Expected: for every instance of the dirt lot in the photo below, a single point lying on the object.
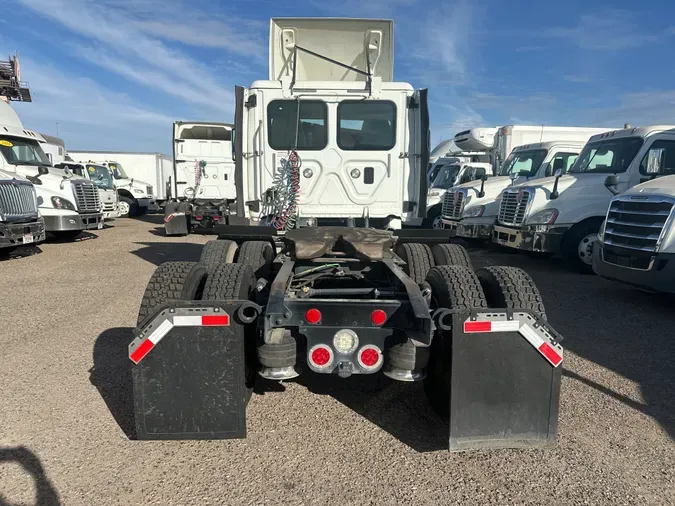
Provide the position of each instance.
(67, 315)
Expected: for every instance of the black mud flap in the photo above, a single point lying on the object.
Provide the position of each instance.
(188, 372)
(175, 220)
(505, 381)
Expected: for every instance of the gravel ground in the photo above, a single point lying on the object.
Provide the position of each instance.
(65, 404)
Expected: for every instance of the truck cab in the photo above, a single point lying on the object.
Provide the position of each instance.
(564, 213)
(102, 178)
(135, 196)
(449, 176)
(471, 208)
(330, 138)
(68, 204)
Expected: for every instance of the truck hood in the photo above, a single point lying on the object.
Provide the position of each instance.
(576, 181)
(127, 182)
(661, 185)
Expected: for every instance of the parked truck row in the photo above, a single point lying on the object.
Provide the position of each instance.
(596, 197)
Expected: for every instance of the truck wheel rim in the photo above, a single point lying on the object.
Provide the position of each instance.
(585, 249)
(124, 208)
(437, 223)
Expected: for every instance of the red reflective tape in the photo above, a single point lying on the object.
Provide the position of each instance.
(477, 326)
(142, 350)
(550, 354)
(216, 320)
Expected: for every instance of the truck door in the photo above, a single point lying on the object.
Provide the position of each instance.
(419, 151)
(667, 161)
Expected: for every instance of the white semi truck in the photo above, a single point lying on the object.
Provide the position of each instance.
(136, 197)
(563, 214)
(636, 244)
(67, 203)
(203, 178)
(329, 138)
(102, 177)
(470, 209)
(20, 220)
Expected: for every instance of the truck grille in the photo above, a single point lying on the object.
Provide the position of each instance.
(17, 201)
(149, 190)
(636, 224)
(514, 206)
(453, 202)
(86, 195)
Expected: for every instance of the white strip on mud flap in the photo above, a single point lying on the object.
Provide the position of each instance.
(149, 342)
(474, 327)
(187, 321)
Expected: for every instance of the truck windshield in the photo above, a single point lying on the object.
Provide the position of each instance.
(101, 176)
(117, 171)
(523, 161)
(19, 151)
(608, 156)
(446, 177)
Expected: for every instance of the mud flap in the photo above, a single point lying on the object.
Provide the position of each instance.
(176, 218)
(505, 381)
(189, 372)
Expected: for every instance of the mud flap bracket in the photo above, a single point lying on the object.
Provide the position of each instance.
(189, 377)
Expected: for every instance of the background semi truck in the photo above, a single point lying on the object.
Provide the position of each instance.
(636, 244)
(563, 214)
(203, 179)
(102, 177)
(20, 220)
(67, 203)
(471, 209)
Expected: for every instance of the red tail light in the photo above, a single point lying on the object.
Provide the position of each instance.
(198, 217)
(313, 316)
(370, 357)
(378, 317)
(321, 356)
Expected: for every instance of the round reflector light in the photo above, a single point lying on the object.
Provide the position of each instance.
(345, 341)
(370, 357)
(378, 317)
(313, 316)
(321, 356)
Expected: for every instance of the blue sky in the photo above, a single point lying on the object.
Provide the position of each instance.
(115, 74)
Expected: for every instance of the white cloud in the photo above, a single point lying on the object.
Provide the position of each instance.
(653, 107)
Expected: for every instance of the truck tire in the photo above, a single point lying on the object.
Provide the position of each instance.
(451, 254)
(418, 258)
(510, 288)
(172, 281)
(257, 254)
(236, 282)
(452, 287)
(128, 207)
(577, 245)
(218, 252)
(433, 219)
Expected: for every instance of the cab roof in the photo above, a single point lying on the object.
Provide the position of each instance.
(633, 132)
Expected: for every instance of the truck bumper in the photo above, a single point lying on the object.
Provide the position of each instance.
(109, 215)
(150, 203)
(63, 223)
(450, 224)
(20, 234)
(651, 272)
(474, 230)
(537, 238)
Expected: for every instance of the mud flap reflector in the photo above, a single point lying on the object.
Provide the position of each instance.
(505, 382)
(189, 376)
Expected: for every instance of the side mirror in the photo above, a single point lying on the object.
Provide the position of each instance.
(42, 170)
(558, 164)
(484, 177)
(655, 161)
(513, 176)
(554, 193)
(611, 182)
(558, 173)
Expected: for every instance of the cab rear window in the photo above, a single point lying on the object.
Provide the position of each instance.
(366, 125)
(285, 124)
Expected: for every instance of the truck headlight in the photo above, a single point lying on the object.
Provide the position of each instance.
(138, 190)
(546, 217)
(434, 193)
(61, 203)
(474, 212)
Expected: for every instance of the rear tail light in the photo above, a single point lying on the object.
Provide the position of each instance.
(321, 356)
(370, 357)
(378, 317)
(313, 316)
(199, 217)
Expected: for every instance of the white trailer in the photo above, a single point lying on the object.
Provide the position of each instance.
(329, 138)
(54, 148)
(476, 139)
(563, 214)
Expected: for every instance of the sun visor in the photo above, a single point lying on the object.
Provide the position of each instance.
(352, 42)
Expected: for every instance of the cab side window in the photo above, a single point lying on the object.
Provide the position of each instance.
(668, 166)
(562, 160)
